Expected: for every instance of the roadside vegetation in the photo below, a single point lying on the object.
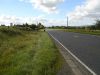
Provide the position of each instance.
(83, 31)
(26, 51)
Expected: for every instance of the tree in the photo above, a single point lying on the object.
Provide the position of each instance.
(40, 26)
(97, 25)
(33, 26)
(26, 25)
(2, 25)
(92, 27)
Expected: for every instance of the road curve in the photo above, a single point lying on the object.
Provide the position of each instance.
(85, 47)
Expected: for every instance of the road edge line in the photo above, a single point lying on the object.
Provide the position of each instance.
(90, 70)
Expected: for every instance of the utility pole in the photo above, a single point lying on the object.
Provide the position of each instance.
(67, 21)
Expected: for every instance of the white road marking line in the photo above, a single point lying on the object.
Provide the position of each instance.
(75, 36)
(92, 72)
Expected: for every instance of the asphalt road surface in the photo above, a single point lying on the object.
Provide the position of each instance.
(85, 47)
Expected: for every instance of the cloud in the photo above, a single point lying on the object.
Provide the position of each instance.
(7, 19)
(90, 9)
(56, 22)
(48, 6)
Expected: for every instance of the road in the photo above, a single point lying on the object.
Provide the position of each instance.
(83, 46)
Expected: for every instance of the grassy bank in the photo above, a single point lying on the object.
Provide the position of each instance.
(92, 32)
(47, 60)
(83, 31)
(27, 53)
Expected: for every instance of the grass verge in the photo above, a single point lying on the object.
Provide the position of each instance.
(28, 53)
(92, 32)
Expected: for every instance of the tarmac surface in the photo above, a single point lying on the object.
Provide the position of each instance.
(85, 47)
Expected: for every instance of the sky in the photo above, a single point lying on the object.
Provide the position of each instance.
(50, 12)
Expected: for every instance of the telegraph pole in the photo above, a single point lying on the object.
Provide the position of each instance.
(67, 21)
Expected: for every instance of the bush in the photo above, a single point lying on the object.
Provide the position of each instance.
(10, 31)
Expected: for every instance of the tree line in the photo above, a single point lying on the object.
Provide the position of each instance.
(26, 26)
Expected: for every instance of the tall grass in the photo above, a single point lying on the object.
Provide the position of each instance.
(27, 53)
(83, 31)
(16, 51)
(47, 60)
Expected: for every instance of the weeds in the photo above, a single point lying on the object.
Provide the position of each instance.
(27, 53)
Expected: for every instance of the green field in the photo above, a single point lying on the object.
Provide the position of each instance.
(83, 31)
(28, 53)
